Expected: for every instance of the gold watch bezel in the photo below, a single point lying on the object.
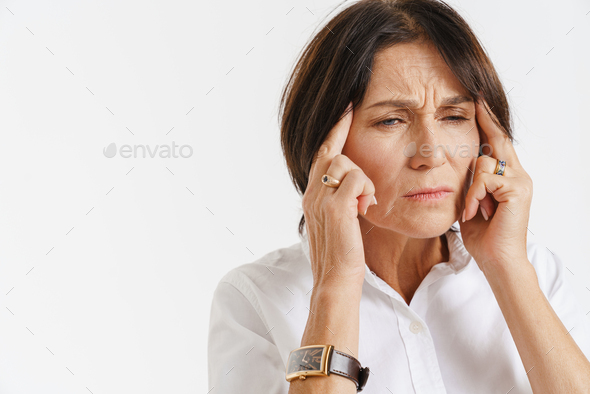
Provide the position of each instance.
(323, 363)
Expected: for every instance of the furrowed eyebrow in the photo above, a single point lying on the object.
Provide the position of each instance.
(454, 100)
(395, 103)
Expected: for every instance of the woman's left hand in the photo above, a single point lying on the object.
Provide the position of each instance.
(500, 240)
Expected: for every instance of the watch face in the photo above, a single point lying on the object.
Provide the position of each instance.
(309, 360)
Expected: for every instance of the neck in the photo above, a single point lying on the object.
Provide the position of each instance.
(401, 261)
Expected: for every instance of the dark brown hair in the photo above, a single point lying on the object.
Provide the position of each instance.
(335, 68)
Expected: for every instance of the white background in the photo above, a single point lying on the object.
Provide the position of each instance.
(108, 266)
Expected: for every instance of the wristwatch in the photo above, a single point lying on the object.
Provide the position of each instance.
(322, 360)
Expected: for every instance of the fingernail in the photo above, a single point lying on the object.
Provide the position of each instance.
(463, 216)
(366, 211)
(484, 213)
(375, 200)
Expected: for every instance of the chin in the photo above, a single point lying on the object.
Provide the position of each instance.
(426, 227)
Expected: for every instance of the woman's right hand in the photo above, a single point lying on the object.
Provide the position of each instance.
(336, 245)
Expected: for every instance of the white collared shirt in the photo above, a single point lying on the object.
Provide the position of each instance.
(452, 338)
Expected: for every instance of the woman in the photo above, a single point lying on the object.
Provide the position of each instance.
(395, 126)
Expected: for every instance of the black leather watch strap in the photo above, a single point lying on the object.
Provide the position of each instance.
(345, 365)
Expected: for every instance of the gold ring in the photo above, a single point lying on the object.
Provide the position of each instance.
(330, 181)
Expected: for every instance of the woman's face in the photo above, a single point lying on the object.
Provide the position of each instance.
(415, 129)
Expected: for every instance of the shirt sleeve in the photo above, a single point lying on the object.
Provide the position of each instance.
(241, 357)
(558, 290)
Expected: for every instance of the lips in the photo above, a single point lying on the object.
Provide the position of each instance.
(426, 191)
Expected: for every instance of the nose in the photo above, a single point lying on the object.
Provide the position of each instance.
(430, 150)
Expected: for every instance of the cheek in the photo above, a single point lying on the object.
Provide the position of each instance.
(465, 145)
(374, 154)
(381, 159)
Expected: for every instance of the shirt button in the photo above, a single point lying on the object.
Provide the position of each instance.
(415, 327)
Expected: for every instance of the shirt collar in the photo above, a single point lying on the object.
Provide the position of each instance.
(459, 257)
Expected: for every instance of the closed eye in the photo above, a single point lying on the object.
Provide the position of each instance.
(455, 119)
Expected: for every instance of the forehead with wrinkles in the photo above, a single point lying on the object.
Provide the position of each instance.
(414, 72)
